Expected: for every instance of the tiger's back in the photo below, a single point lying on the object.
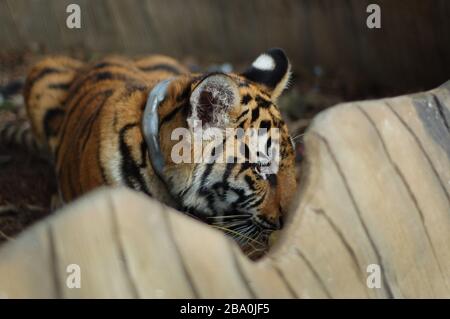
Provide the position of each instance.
(89, 117)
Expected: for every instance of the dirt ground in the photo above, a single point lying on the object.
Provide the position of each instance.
(26, 186)
(27, 182)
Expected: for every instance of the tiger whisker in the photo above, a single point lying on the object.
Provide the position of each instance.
(231, 224)
(262, 237)
(231, 220)
(230, 216)
(242, 229)
(250, 234)
(235, 228)
(236, 233)
(248, 230)
(298, 136)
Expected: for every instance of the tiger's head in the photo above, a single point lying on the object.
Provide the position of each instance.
(245, 183)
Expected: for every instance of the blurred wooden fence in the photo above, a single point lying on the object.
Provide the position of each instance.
(410, 52)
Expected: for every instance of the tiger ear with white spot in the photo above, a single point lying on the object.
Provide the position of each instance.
(272, 69)
(213, 100)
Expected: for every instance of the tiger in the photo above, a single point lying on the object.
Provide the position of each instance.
(110, 122)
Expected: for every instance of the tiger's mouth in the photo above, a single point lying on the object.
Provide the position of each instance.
(258, 247)
(249, 232)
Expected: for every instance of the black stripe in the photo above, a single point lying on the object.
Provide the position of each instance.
(205, 175)
(241, 115)
(60, 86)
(228, 170)
(250, 199)
(185, 93)
(255, 114)
(245, 151)
(246, 99)
(129, 168)
(102, 65)
(262, 102)
(241, 125)
(76, 102)
(108, 75)
(143, 163)
(250, 182)
(244, 166)
(116, 64)
(205, 191)
(102, 169)
(257, 202)
(183, 107)
(241, 196)
(273, 180)
(95, 77)
(86, 129)
(42, 73)
(265, 124)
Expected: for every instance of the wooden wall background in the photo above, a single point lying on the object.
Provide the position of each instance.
(411, 51)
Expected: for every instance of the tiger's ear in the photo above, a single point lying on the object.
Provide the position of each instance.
(212, 101)
(271, 69)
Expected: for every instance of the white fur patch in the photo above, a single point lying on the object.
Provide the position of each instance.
(264, 62)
